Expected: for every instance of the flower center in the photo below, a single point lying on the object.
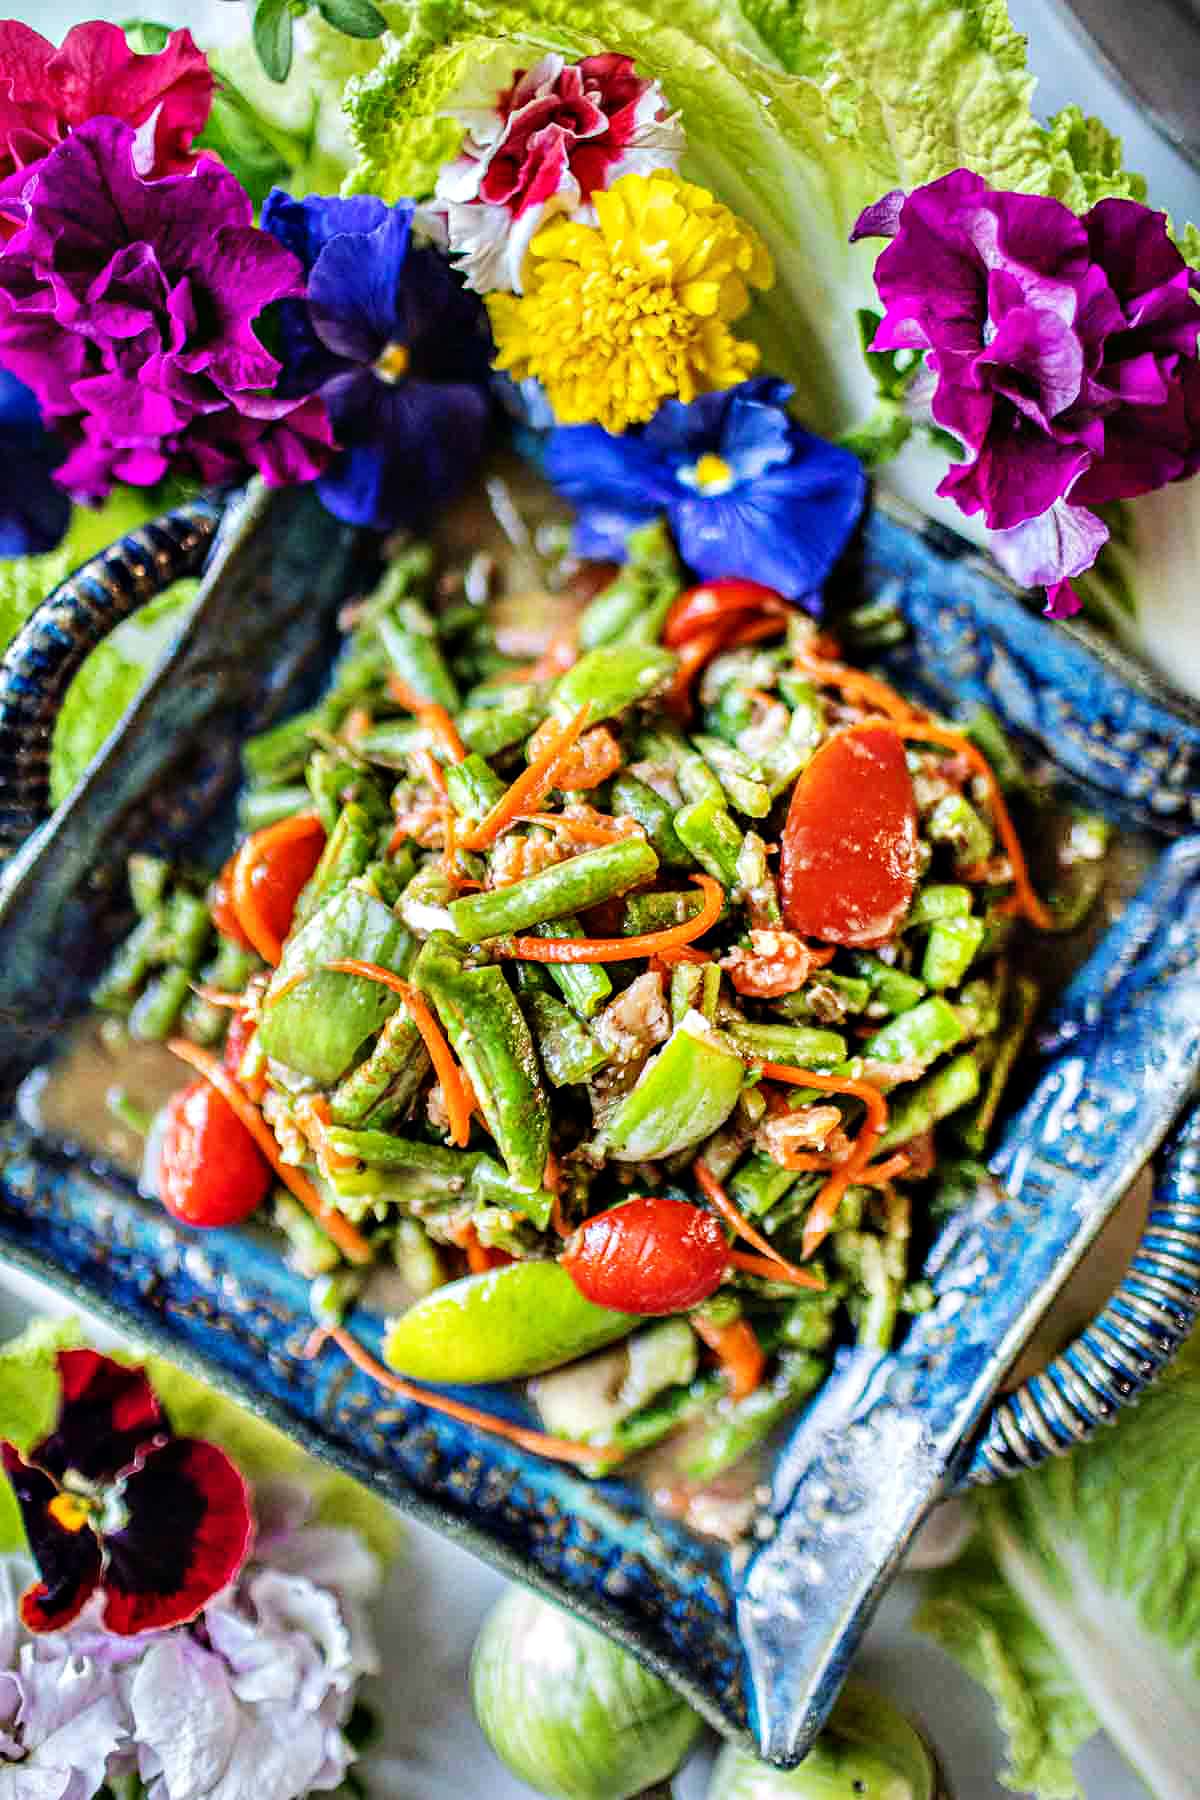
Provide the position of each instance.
(709, 474)
(72, 1511)
(392, 363)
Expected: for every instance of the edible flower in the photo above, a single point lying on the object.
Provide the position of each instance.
(34, 509)
(621, 315)
(128, 306)
(397, 350)
(540, 143)
(47, 91)
(113, 1503)
(747, 492)
(1064, 351)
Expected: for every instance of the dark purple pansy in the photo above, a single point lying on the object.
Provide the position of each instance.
(113, 1502)
(1064, 352)
(395, 347)
(34, 509)
(746, 490)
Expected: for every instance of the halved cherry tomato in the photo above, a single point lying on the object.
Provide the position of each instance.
(221, 908)
(237, 1038)
(648, 1256)
(210, 1170)
(267, 876)
(722, 602)
(848, 864)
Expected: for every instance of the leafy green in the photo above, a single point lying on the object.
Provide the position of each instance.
(26, 580)
(29, 1404)
(1081, 1604)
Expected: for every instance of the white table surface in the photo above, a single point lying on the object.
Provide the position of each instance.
(437, 1595)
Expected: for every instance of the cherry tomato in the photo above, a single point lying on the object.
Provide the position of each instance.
(220, 906)
(210, 1170)
(724, 602)
(237, 1039)
(648, 1256)
(848, 863)
(267, 875)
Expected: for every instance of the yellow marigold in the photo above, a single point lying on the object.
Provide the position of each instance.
(619, 316)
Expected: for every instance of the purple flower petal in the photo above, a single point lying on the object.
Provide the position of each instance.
(406, 448)
(882, 219)
(353, 288)
(1061, 542)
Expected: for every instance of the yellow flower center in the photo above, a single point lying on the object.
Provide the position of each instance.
(392, 363)
(709, 474)
(71, 1511)
(617, 317)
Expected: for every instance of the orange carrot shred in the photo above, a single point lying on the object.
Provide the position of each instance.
(586, 831)
(214, 996)
(773, 1271)
(751, 631)
(714, 1192)
(692, 657)
(738, 1351)
(845, 1174)
(434, 717)
(480, 1256)
(523, 1436)
(622, 949)
(530, 788)
(349, 1241)
(456, 1089)
(857, 685)
(313, 1115)
(285, 987)
(247, 909)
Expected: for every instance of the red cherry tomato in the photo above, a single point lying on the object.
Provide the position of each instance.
(723, 602)
(241, 1029)
(220, 906)
(848, 864)
(648, 1256)
(210, 1170)
(267, 875)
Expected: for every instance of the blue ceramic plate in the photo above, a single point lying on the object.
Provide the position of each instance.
(758, 1641)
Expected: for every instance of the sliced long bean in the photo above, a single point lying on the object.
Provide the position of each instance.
(566, 888)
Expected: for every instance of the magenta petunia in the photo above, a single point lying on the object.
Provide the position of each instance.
(48, 90)
(1063, 351)
(130, 307)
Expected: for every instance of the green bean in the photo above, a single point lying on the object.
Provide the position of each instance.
(201, 1022)
(149, 877)
(895, 991)
(186, 929)
(610, 679)
(877, 1265)
(809, 1321)
(260, 807)
(694, 988)
(954, 821)
(115, 990)
(977, 1128)
(473, 786)
(416, 1257)
(333, 1295)
(275, 757)
(800, 1046)
(916, 1038)
(979, 1005)
(335, 780)
(311, 1250)
(696, 780)
(350, 846)
(651, 1423)
(659, 911)
(684, 1094)
(408, 637)
(570, 1052)
(729, 1432)
(756, 884)
(635, 799)
(634, 606)
(448, 1169)
(951, 948)
(584, 986)
(852, 993)
(709, 832)
(759, 1183)
(987, 734)
(937, 901)
(566, 887)
(740, 778)
(158, 1006)
(922, 1107)
(488, 730)
(393, 743)
(397, 1059)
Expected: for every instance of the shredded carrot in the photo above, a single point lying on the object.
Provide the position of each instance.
(482, 1257)
(622, 949)
(857, 686)
(523, 1436)
(879, 1174)
(845, 1174)
(456, 1088)
(692, 657)
(313, 1116)
(1024, 899)
(713, 1190)
(585, 831)
(246, 901)
(349, 1241)
(560, 654)
(665, 960)
(773, 1271)
(751, 631)
(530, 788)
(431, 768)
(737, 1350)
(285, 987)
(220, 997)
(434, 717)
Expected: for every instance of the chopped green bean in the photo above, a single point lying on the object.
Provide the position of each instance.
(407, 635)
(395, 1068)
(732, 1430)
(350, 846)
(473, 786)
(759, 1183)
(610, 679)
(489, 730)
(159, 1004)
(987, 734)
(311, 1251)
(954, 821)
(894, 990)
(709, 832)
(416, 1257)
(916, 1038)
(800, 1046)
(186, 929)
(694, 988)
(920, 1108)
(564, 888)
(149, 877)
(950, 949)
(634, 799)
(260, 807)
(740, 778)
(116, 988)
(277, 756)
(634, 606)
(570, 1052)
(584, 986)
(659, 911)
(938, 901)
(1023, 1009)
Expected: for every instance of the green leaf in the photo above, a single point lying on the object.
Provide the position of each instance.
(236, 136)
(146, 35)
(272, 36)
(357, 18)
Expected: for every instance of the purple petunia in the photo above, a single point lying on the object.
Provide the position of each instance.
(747, 492)
(129, 306)
(1064, 351)
(397, 350)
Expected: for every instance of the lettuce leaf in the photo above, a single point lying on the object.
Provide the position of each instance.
(1081, 1605)
(29, 1403)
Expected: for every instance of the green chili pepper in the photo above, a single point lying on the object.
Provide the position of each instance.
(709, 832)
(567, 887)
(610, 679)
(158, 1006)
(473, 786)
(634, 799)
(731, 1431)
(317, 1027)
(514, 1321)
(682, 1096)
(917, 1037)
(634, 606)
(954, 821)
(800, 1046)
(950, 949)
(920, 1108)
(584, 986)
(895, 991)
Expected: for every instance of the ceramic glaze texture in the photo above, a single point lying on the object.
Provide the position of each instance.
(739, 1641)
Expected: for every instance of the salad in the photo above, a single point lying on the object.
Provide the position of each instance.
(627, 969)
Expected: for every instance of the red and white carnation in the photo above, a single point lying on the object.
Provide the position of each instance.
(542, 141)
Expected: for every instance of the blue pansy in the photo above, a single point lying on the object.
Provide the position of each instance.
(397, 349)
(34, 510)
(746, 490)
